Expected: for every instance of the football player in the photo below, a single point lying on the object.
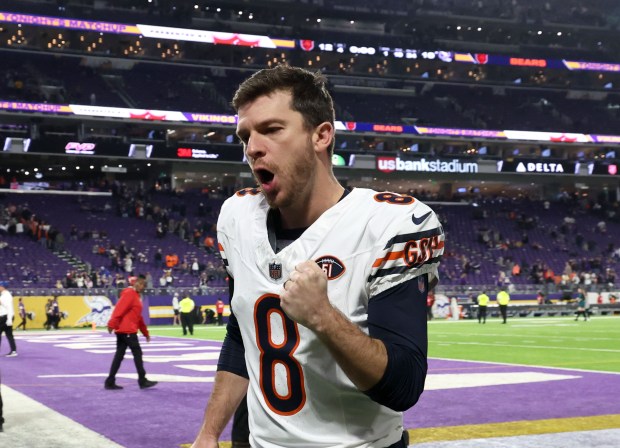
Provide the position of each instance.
(327, 333)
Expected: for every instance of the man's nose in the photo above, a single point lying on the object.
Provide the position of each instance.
(255, 147)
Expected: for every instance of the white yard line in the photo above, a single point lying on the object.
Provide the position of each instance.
(29, 423)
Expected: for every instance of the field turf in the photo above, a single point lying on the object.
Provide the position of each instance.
(550, 342)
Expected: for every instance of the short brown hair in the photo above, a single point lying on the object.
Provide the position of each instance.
(308, 90)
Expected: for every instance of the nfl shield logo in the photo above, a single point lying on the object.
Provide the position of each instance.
(421, 284)
(275, 270)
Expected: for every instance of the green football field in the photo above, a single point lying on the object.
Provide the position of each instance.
(550, 342)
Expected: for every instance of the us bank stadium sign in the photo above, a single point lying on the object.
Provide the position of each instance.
(537, 166)
(423, 165)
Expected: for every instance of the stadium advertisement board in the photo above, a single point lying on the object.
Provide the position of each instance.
(214, 152)
(604, 169)
(388, 164)
(531, 166)
(76, 311)
(228, 153)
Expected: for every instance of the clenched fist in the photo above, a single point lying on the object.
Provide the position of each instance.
(304, 298)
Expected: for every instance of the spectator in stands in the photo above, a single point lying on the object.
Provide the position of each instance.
(125, 321)
(503, 298)
(162, 280)
(209, 243)
(204, 282)
(186, 306)
(158, 259)
(149, 280)
(195, 267)
(128, 263)
(196, 236)
(120, 281)
(172, 260)
(169, 277)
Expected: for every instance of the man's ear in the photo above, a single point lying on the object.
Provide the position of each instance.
(323, 136)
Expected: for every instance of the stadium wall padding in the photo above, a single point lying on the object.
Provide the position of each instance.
(82, 311)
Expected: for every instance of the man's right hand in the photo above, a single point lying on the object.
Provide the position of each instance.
(109, 330)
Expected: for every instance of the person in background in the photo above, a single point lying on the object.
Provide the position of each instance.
(582, 305)
(175, 309)
(55, 310)
(48, 315)
(503, 298)
(7, 313)
(219, 309)
(430, 301)
(125, 321)
(21, 311)
(483, 302)
(187, 314)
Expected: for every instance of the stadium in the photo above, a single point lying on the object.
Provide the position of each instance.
(119, 149)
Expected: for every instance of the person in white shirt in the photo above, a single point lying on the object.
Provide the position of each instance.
(7, 313)
(176, 320)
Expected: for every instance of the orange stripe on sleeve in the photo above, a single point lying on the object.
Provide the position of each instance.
(391, 256)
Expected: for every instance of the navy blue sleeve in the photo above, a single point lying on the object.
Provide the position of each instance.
(232, 356)
(397, 317)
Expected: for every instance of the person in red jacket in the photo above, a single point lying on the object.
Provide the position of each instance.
(125, 321)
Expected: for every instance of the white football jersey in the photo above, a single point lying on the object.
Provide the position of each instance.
(366, 243)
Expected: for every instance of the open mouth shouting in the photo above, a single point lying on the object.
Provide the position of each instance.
(266, 179)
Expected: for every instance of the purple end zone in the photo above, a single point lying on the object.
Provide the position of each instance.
(170, 414)
(167, 415)
(588, 395)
